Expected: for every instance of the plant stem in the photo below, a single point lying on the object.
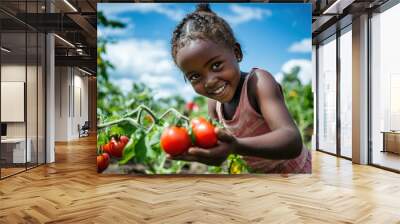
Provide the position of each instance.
(136, 122)
(142, 108)
(177, 113)
(132, 112)
(126, 119)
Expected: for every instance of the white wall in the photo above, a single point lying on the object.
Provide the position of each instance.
(70, 84)
(61, 103)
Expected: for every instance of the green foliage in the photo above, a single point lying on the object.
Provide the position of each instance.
(299, 100)
(103, 21)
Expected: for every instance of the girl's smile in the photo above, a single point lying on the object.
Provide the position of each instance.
(211, 68)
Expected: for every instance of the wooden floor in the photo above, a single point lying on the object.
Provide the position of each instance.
(10, 171)
(70, 191)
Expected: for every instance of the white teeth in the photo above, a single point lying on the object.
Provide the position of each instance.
(219, 90)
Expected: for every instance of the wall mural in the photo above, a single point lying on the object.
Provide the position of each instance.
(204, 88)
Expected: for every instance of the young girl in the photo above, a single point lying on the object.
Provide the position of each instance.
(250, 105)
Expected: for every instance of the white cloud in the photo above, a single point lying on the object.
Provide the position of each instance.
(303, 46)
(149, 62)
(186, 91)
(305, 73)
(155, 81)
(133, 56)
(243, 14)
(124, 84)
(112, 10)
(278, 77)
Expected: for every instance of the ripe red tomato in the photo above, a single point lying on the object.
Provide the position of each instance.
(109, 147)
(118, 147)
(203, 132)
(124, 140)
(191, 106)
(102, 162)
(198, 120)
(175, 140)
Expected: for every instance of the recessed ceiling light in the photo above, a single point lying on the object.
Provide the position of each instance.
(70, 5)
(86, 72)
(64, 40)
(5, 49)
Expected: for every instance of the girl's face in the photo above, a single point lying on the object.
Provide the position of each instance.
(212, 69)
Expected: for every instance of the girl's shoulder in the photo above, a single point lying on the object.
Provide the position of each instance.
(262, 82)
(261, 77)
(212, 108)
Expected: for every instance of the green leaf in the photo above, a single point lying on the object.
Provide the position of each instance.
(129, 150)
(141, 150)
(116, 131)
(102, 139)
(155, 136)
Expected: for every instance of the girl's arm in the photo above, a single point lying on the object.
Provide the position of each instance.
(284, 140)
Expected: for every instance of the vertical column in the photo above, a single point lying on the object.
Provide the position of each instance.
(360, 90)
(50, 92)
(92, 99)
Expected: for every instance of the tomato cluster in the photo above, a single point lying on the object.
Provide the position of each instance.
(176, 140)
(114, 147)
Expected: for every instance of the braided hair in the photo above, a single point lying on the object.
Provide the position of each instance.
(202, 24)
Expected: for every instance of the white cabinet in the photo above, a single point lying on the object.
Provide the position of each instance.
(18, 149)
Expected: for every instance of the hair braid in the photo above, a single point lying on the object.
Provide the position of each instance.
(201, 24)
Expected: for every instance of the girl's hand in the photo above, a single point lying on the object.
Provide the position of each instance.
(213, 156)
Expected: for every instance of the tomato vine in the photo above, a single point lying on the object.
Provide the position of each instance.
(143, 147)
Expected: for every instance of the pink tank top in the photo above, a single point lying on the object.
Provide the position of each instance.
(247, 122)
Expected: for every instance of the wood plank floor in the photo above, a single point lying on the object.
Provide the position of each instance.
(70, 191)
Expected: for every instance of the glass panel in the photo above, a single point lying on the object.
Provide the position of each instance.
(327, 95)
(31, 99)
(346, 93)
(385, 84)
(13, 92)
(31, 86)
(41, 98)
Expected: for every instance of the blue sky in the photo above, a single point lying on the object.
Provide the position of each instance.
(274, 37)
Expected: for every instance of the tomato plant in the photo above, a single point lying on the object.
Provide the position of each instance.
(175, 140)
(147, 146)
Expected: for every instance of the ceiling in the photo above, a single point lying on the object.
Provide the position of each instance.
(74, 22)
(329, 15)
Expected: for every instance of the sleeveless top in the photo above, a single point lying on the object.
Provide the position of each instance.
(247, 122)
